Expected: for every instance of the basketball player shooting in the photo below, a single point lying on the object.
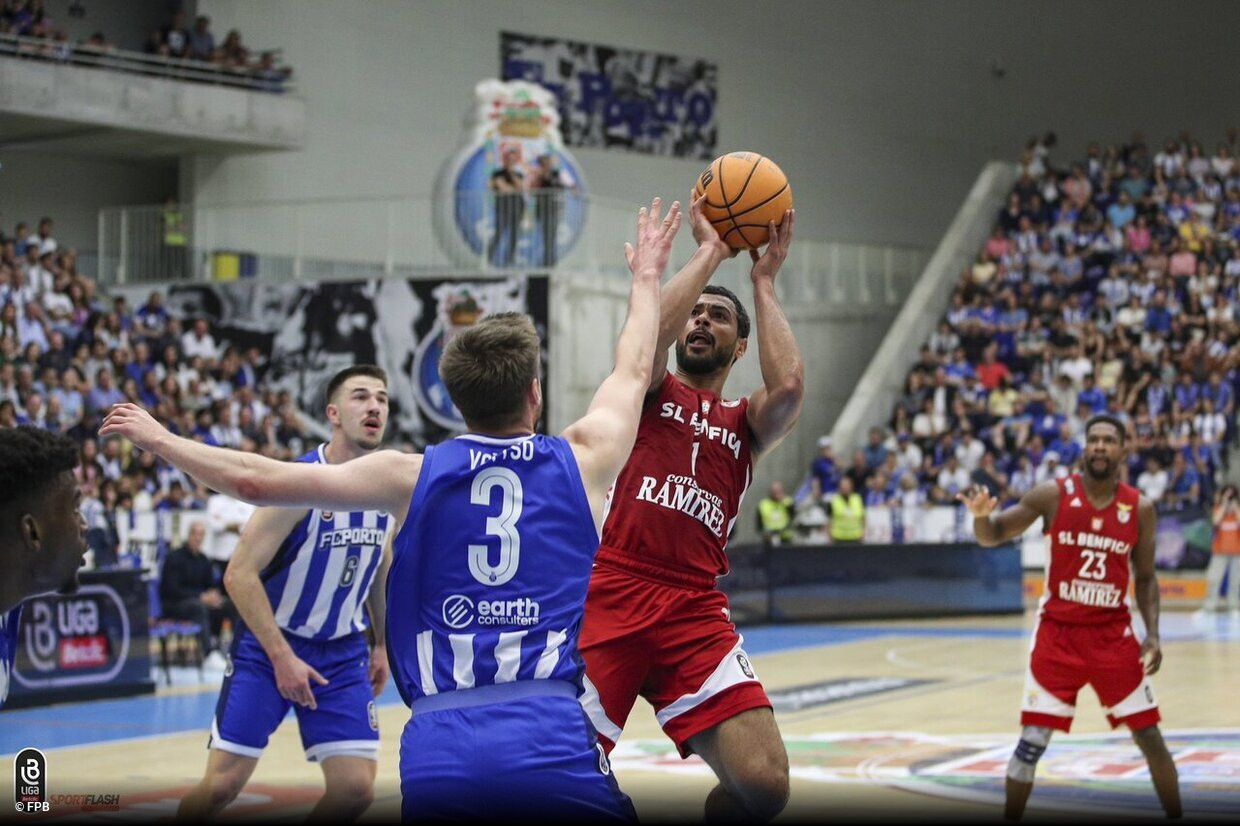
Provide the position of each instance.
(496, 535)
(1098, 528)
(670, 514)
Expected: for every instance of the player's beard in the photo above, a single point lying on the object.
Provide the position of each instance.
(703, 365)
(1103, 475)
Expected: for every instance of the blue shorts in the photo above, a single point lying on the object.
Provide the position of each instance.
(532, 758)
(250, 707)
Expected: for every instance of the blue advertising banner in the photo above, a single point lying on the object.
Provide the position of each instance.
(621, 98)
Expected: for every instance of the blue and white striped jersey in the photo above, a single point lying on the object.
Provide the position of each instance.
(319, 579)
(490, 570)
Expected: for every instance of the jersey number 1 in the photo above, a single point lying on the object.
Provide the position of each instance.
(503, 526)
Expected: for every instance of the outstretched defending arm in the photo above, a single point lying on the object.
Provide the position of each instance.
(776, 406)
(379, 481)
(604, 436)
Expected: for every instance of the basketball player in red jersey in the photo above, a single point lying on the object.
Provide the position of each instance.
(655, 624)
(1084, 634)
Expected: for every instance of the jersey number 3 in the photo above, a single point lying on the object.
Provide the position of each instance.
(503, 527)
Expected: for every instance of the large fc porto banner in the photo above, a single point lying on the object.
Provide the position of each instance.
(308, 331)
(622, 98)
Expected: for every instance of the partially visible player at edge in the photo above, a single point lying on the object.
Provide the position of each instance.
(305, 584)
(1085, 633)
(497, 534)
(656, 624)
(42, 532)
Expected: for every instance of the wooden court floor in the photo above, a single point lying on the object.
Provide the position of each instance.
(913, 720)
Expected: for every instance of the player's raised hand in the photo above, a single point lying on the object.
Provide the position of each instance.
(978, 500)
(135, 424)
(766, 266)
(654, 239)
(704, 232)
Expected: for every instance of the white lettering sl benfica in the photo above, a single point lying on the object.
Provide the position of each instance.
(1082, 539)
(725, 437)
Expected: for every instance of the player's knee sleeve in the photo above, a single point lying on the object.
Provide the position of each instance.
(1024, 762)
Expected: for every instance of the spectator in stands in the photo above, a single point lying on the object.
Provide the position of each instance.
(201, 40)
(1225, 552)
(953, 478)
(1153, 480)
(43, 240)
(775, 514)
(271, 78)
(508, 184)
(175, 36)
(824, 468)
(189, 589)
(198, 342)
(103, 395)
(859, 471)
(96, 46)
(156, 45)
(1183, 485)
(875, 450)
(847, 514)
(226, 517)
(810, 521)
(151, 320)
(548, 182)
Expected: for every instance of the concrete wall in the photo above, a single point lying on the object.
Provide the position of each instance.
(881, 112)
(72, 190)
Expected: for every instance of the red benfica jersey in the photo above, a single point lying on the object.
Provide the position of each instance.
(1087, 576)
(670, 511)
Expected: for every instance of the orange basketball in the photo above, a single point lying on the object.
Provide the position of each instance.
(744, 192)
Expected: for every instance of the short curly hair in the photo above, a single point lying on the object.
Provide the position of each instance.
(30, 460)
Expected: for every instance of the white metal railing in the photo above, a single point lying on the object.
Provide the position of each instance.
(121, 60)
(376, 237)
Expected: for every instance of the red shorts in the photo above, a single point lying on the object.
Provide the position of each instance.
(674, 646)
(1066, 657)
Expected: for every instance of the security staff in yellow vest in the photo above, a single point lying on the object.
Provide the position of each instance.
(176, 239)
(775, 515)
(847, 514)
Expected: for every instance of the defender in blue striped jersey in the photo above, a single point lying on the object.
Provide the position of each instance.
(491, 562)
(302, 582)
(42, 532)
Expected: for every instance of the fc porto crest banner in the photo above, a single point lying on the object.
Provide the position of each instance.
(308, 331)
(621, 98)
(512, 197)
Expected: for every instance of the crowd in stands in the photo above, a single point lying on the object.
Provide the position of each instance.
(68, 353)
(177, 44)
(1108, 285)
